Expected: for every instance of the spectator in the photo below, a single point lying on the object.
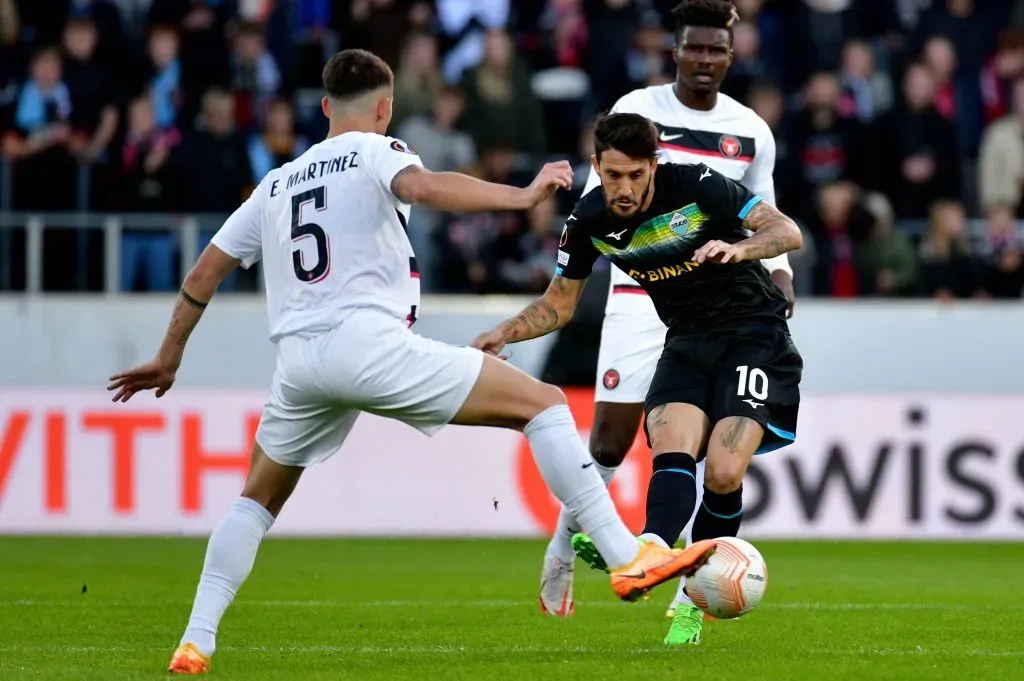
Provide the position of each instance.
(147, 184)
(886, 261)
(463, 27)
(610, 24)
(649, 62)
(1001, 161)
(165, 82)
(1000, 73)
(840, 226)
(1001, 255)
(747, 67)
(44, 172)
(766, 101)
(940, 59)
(255, 77)
(826, 148)
(380, 26)
(867, 92)
(500, 105)
(278, 143)
(918, 163)
(94, 117)
(525, 266)
(948, 267)
(215, 171)
(418, 79)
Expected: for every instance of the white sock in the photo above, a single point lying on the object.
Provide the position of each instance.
(654, 539)
(681, 597)
(572, 477)
(230, 555)
(560, 545)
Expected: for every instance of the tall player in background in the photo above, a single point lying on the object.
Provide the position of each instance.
(342, 291)
(697, 124)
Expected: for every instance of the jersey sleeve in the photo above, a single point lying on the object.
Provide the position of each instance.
(391, 157)
(241, 236)
(759, 176)
(576, 252)
(720, 197)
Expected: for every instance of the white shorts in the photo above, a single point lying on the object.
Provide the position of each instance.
(630, 347)
(371, 362)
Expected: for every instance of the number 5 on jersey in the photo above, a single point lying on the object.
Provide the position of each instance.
(753, 382)
(321, 267)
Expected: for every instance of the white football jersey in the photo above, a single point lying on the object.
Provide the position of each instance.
(331, 235)
(730, 138)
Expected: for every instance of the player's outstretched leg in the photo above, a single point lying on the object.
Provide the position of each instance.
(733, 443)
(507, 397)
(615, 426)
(230, 555)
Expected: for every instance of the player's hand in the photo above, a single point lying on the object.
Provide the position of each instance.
(719, 252)
(784, 280)
(551, 178)
(490, 342)
(156, 374)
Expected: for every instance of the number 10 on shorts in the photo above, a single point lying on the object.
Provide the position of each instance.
(752, 381)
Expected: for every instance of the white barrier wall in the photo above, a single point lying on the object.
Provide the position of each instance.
(863, 466)
(908, 428)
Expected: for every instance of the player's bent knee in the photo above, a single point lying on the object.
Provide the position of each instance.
(722, 477)
(609, 443)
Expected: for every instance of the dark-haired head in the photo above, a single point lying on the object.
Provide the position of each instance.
(626, 159)
(358, 87)
(703, 50)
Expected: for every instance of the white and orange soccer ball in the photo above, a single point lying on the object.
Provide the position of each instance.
(732, 582)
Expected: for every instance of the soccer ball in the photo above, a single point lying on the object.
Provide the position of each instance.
(732, 582)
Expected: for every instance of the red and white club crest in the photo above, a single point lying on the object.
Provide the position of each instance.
(729, 146)
(611, 379)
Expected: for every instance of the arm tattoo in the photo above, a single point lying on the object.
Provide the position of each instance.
(177, 329)
(732, 438)
(774, 233)
(543, 315)
(402, 173)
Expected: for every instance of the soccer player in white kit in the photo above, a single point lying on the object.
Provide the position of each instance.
(342, 291)
(697, 124)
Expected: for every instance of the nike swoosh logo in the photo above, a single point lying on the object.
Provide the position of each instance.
(587, 465)
(669, 138)
(640, 575)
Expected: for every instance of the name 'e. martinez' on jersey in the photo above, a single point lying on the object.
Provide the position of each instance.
(331, 235)
(692, 204)
(730, 138)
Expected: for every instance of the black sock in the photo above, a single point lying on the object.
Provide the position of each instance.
(719, 515)
(671, 495)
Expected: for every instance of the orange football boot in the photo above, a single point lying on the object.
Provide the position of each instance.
(655, 565)
(188, 660)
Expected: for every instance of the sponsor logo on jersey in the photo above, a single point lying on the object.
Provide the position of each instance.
(666, 272)
(563, 258)
(679, 223)
(399, 145)
(611, 379)
(729, 146)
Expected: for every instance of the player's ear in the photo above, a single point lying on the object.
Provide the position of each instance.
(325, 106)
(595, 163)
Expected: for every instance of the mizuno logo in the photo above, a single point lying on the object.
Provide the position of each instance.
(669, 138)
(754, 404)
(706, 173)
(615, 235)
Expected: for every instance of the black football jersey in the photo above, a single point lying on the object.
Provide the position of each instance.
(692, 205)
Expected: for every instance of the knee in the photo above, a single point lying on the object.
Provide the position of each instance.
(723, 476)
(609, 443)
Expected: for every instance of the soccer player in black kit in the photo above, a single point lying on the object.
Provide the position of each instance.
(727, 384)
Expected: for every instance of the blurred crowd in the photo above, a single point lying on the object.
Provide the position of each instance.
(899, 123)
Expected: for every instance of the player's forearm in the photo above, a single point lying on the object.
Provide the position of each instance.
(192, 300)
(458, 193)
(537, 319)
(774, 233)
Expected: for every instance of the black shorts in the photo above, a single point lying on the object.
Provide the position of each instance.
(747, 372)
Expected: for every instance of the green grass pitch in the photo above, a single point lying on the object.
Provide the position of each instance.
(89, 608)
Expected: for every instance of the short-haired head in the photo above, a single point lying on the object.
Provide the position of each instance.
(358, 85)
(703, 51)
(626, 159)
